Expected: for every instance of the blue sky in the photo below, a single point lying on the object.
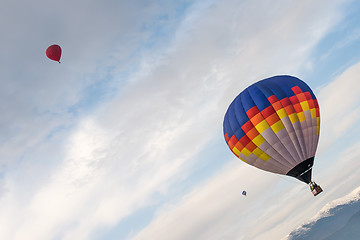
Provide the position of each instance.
(123, 139)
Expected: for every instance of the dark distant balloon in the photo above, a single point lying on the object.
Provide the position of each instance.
(54, 52)
(244, 193)
(274, 125)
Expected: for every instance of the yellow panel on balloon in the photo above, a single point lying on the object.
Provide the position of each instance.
(281, 113)
(301, 116)
(293, 117)
(277, 127)
(246, 152)
(313, 113)
(258, 140)
(265, 157)
(304, 106)
(262, 126)
(236, 151)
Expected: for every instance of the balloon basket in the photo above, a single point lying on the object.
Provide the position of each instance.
(315, 189)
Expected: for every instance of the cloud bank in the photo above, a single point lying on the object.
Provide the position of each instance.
(338, 219)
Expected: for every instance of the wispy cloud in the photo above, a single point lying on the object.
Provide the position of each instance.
(133, 149)
(339, 105)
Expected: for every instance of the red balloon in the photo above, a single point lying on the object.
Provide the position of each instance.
(54, 52)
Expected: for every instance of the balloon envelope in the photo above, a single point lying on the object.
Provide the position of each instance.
(274, 125)
(54, 52)
(244, 193)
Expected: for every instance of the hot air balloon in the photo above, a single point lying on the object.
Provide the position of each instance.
(274, 125)
(244, 193)
(54, 52)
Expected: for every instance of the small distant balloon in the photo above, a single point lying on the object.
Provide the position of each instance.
(54, 52)
(244, 193)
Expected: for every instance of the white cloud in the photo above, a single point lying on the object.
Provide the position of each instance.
(210, 208)
(336, 220)
(339, 106)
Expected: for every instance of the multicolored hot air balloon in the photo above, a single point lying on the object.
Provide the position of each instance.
(54, 52)
(274, 125)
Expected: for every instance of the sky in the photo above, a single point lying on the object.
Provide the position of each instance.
(124, 138)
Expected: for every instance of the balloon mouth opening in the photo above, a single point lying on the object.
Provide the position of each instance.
(303, 170)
